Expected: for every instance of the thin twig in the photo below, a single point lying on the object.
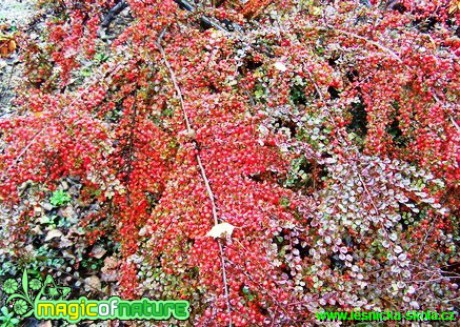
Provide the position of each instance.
(367, 191)
(428, 232)
(435, 97)
(118, 8)
(208, 190)
(184, 4)
(455, 124)
(202, 172)
(362, 38)
(176, 87)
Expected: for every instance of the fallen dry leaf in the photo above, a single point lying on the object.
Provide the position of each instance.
(221, 230)
(55, 233)
(109, 271)
(45, 324)
(98, 252)
(7, 45)
(92, 283)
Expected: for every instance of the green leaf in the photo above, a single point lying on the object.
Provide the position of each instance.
(86, 72)
(259, 93)
(59, 198)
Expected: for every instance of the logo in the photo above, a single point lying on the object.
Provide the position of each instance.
(42, 298)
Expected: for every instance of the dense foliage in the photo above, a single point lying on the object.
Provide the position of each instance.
(325, 132)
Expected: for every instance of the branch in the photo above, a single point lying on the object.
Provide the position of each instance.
(435, 97)
(202, 171)
(184, 4)
(454, 123)
(118, 8)
(359, 37)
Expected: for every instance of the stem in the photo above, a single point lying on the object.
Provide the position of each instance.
(202, 172)
(208, 190)
(362, 38)
(118, 8)
(184, 4)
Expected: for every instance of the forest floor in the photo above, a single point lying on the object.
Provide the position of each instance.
(16, 12)
(14, 15)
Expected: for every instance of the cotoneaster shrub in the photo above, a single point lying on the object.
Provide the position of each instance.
(327, 133)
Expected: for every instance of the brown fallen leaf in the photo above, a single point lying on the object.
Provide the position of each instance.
(45, 324)
(12, 46)
(110, 276)
(7, 45)
(110, 263)
(109, 270)
(55, 233)
(98, 252)
(92, 283)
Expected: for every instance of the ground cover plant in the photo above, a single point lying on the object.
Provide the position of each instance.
(264, 160)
